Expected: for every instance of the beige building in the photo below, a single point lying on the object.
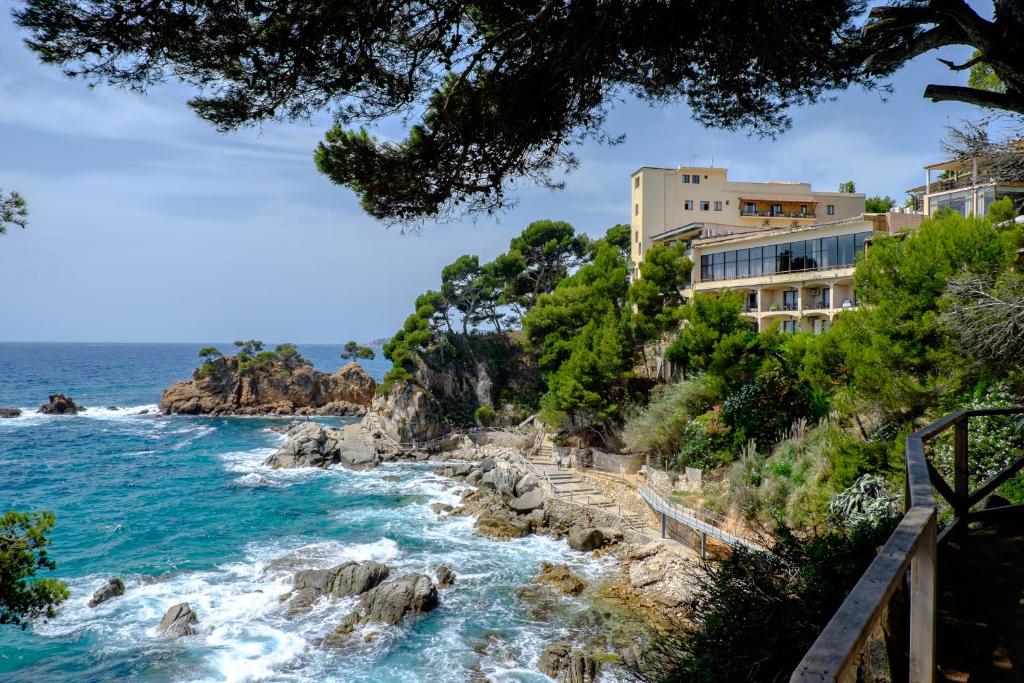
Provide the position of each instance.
(797, 278)
(965, 187)
(680, 203)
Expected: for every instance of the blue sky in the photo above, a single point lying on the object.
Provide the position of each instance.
(147, 225)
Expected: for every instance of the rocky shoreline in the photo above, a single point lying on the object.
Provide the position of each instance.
(647, 587)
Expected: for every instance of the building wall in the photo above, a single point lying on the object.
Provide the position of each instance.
(659, 201)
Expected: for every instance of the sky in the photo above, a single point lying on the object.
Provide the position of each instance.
(149, 226)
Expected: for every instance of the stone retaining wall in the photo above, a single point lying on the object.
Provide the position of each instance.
(616, 463)
(690, 480)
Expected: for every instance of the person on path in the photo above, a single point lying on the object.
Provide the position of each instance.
(558, 459)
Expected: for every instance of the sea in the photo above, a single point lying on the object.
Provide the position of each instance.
(183, 510)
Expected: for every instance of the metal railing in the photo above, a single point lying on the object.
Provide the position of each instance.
(704, 521)
(912, 548)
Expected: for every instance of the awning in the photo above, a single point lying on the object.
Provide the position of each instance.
(795, 199)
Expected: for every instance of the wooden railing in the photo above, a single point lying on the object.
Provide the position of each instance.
(911, 549)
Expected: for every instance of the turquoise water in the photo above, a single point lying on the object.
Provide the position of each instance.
(182, 509)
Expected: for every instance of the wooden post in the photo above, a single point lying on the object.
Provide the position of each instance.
(663, 525)
(960, 483)
(922, 607)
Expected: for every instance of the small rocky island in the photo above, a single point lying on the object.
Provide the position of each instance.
(255, 381)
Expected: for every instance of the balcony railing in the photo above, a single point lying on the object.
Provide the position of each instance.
(777, 214)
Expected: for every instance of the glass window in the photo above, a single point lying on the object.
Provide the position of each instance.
(789, 326)
(789, 300)
(858, 242)
(636, 181)
(845, 250)
(636, 210)
(784, 258)
(776, 209)
(813, 253)
(718, 266)
(686, 179)
(750, 208)
(798, 262)
(704, 206)
(768, 260)
(696, 180)
(705, 267)
(830, 209)
(803, 209)
(755, 261)
(688, 205)
(718, 206)
(826, 297)
(829, 252)
(743, 263)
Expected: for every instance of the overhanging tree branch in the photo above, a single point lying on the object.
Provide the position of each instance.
(982, 98)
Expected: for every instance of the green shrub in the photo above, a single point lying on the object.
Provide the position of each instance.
(762, 410)
(664, 426)
(485, 416)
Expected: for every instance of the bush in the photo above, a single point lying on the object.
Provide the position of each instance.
(664, 426)
(485, 416)
(762, 410)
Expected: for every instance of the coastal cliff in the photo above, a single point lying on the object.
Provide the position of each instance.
(226, 386)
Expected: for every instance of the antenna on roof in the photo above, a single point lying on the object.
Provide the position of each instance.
(691, 150)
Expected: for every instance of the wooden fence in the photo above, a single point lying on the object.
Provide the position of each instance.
(909, 555)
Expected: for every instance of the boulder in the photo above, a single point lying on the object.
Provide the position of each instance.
(474, 477)
(438, 508)
(566, 665)
(487, 464)
(111, 589)
(10, 412)
(503, 527)
(310, 444)
(179, 620)
(611, 535)
(505, 477)
(560, 577)
(387, 604)
(529, 501)
(60, 405)
(528, 482)
(585, 538)
(445, 576)
(350, 578)
(487, 481)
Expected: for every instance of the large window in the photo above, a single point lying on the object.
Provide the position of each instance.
(788, 257)
(696, 180)
(688, 205)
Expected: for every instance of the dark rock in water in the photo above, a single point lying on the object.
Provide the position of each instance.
(566, 665)
(560, 577)
(10, 412)
(529, 501)
(179, 620)
(112, 408)
(438, 508)
(60, 405)
(445, 576)
(391, 478)
(388, 603)
(585, 539)
(350, 578)
(111, 589)
(144, 411)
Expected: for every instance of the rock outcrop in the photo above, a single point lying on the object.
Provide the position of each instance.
(560, 577)
(222, 388)
(581, 538)
(111, 589)
(387, 604)
(350, 578)
(445, 576)
(60, 405)
(311, 444)
(10, 412)
(566, 665)
(179, 621)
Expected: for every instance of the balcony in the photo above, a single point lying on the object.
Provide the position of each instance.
(776, 214)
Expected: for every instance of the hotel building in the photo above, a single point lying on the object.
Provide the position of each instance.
(681, 203)
(796, 278)
(966, 187)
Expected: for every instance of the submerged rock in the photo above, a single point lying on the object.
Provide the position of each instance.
(566, 665)
(10, 412)
(560, 577)
(179, 620)
(387, 604)
(111, 589)
(583, 538)
(60, 405)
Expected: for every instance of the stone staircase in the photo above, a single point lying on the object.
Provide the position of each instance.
(571, 487)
